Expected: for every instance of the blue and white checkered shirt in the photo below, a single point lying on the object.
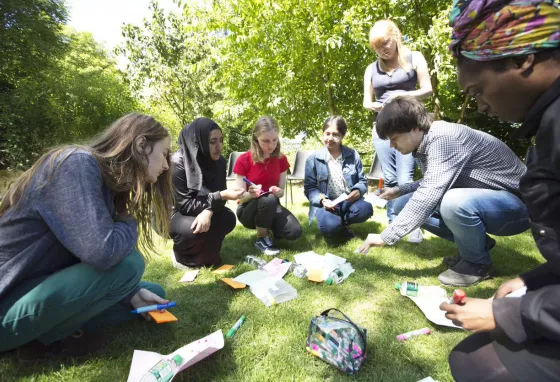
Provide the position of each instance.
(453, 156)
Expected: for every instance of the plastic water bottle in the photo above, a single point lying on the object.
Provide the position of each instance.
(339, 274)
(299, 271)
(164, 370)
(255, 261)
(412, 289)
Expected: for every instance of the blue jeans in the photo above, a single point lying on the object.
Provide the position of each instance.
(397, 168)
(346, 213)
(465, 215)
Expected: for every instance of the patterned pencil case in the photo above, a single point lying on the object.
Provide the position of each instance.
(338, 341)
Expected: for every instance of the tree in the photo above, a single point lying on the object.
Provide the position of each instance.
(170, 61)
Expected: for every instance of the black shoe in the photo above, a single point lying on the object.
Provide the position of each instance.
(78, 344)
(466, 273)
(451, 261)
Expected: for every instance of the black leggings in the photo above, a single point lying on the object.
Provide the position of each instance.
(202, 249)
(491, 357)
(266, 212)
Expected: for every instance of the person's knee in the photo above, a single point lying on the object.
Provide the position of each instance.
(327, 225)
(131, 268)
(455, 206)
(267, 203)
(293, 231)
(229, 220)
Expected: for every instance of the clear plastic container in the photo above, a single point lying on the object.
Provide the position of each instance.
(299, 271)
(255, 261)
(339, 274)
(164, 370)
(412, 289)
(276, 292)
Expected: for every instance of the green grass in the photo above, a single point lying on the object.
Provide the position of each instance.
(270, 346)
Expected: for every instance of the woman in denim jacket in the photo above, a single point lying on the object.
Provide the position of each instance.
(330, 172)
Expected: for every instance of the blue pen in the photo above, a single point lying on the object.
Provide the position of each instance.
(150, 308)
(251, 184)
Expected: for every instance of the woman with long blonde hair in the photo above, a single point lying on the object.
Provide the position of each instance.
(397, 71)
(265, 167)
(69, 229)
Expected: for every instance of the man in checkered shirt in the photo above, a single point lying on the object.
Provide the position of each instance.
(470, 188)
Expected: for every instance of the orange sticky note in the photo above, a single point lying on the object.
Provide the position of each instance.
(162, 317)
(222, 269)
(315, 274)
(234, 284)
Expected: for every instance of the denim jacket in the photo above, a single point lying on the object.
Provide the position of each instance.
(315, 185)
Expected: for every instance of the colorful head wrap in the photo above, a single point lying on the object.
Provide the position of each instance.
(486, 30)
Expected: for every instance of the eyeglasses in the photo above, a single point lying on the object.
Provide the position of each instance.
(334, 137)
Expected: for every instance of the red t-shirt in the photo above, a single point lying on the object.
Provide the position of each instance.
(265, 173)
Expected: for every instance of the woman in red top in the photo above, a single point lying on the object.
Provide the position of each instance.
(265, 166)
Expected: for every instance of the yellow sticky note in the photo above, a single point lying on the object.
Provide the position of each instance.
(234, 284)
(315, 274)
(222, 269)
(162, 317)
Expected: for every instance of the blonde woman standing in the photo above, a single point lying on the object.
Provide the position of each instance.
(397, 71)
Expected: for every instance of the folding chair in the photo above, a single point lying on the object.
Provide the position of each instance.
(299, 171)
(231, 162)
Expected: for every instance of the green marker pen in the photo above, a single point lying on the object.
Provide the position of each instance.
(237, 325)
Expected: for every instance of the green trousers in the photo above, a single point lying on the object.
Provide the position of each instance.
(49, 308)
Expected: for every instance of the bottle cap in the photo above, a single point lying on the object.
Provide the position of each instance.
(178, 359)
(329, 281)
(397, 286)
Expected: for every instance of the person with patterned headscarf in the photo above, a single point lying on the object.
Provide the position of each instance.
(508, 58)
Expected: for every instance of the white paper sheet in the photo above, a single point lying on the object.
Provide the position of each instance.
(310, 260)
(142, 361)
(430, 308)
(518, 293)
(375, 200)
(340, 199)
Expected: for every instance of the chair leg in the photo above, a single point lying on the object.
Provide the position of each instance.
(292, 192)
(286, 196)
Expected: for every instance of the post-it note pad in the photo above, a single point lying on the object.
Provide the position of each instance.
(189, 276)
(222, 269)
(233, 284)
(162, 317)
(315, 274)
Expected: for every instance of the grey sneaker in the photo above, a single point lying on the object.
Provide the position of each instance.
(466, 273)
(451, 261)
(264, 245)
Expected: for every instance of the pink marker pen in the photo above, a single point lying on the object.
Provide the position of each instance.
(414, 333)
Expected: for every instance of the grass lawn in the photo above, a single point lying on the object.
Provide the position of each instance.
(270, 346)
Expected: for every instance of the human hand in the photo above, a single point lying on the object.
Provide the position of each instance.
(327, 204)
(255, 190)
(372, 240)
(376, 106)
(353, 196)
(145, 298)
(508, 287)
(390, 193)
(276, 191)
(475, 314)
(232, 194)
(202, 222)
